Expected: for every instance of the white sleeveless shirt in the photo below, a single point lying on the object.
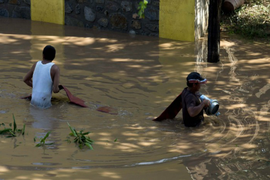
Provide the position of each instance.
(42, 85)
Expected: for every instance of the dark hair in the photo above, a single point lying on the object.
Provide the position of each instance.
(49, 52)
(190, 84)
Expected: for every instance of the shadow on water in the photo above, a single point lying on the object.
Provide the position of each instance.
(139, 77)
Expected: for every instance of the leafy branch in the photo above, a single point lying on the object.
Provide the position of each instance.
(80, 138)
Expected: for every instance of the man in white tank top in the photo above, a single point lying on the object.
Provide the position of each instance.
(43, 77)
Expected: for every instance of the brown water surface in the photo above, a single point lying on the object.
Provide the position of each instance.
(139, 77)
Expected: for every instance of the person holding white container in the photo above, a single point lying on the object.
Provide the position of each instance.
(192, 105)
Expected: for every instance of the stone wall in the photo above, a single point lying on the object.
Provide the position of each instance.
(115, 15)
(15, 8)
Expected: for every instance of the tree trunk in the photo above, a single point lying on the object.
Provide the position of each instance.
(214, 30)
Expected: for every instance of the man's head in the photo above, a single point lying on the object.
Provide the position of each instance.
(49, 53)
(195, 80)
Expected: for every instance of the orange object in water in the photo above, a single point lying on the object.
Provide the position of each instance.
(74, 99)
(107, 109)
(71, 98)
(80, 102)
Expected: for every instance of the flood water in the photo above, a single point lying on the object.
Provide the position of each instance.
(138, 77)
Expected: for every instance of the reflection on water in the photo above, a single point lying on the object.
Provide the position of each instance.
(44, 119)
(139, 77)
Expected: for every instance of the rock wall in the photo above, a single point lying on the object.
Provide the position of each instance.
(116, 15)
(15, 8)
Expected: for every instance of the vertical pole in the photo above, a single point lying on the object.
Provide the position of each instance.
(214, 30)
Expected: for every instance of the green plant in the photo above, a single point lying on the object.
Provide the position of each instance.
(12, 132)
(254, 1)
(252, 20)
(80, 138)
(43, 140)
(142, 6)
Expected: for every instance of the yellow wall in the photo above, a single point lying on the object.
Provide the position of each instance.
(176, 19)
(52, 11)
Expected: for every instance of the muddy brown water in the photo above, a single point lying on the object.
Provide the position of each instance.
(139, 77)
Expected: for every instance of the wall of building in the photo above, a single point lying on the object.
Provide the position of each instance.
(52, 11)
(117, 15)
(177, 19)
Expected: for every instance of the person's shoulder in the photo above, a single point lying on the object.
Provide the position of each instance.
(185, 91)
(55, 67)
(37, 62)
(34, 65)
(187, 94)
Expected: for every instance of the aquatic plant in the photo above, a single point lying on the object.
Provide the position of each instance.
(80, 138)
(43, 140)
(12, 131)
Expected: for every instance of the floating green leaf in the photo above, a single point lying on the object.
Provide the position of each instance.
(43, 140)
(80, 138)
(5, 131)
(73, 131)
(12, 131)
(23, 130)
(89, 145)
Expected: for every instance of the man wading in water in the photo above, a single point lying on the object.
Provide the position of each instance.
(43, 77)
(192, 106)
(189, 101)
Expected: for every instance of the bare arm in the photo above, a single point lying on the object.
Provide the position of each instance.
(195, 110)
(55, 74)
(28, 77)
